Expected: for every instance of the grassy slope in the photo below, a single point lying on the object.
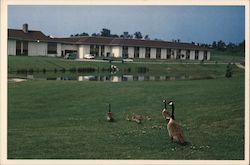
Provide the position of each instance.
(51, 119)
(227, 56)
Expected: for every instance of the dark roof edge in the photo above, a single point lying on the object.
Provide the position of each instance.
(63, 40)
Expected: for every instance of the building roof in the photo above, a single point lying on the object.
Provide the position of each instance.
(30, 36)
(38, 35)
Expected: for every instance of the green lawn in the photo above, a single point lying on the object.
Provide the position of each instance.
(228, 56)
(66, 119)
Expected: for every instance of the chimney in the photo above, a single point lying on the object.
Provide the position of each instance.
(25, 28)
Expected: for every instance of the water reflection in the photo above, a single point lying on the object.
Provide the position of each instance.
(112, 78)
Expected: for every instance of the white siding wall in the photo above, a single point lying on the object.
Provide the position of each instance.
(192, 54)
(11, 47)
(142, 52)
(37, 49)
(201, 54)
(82, 50)
(130, 52)
(116, 51)
(175, 53)
(183, 52)
(153, 53)
(59, 50)
(208, 55)
(107, 49)
(163, 53)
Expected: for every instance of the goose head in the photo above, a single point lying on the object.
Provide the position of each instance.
(170, 103)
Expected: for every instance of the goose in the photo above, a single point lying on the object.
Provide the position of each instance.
(109, 115)
(175, 130)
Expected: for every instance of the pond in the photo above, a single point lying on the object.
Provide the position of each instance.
(106, 77)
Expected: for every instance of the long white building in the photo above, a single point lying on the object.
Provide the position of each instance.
(35, 43)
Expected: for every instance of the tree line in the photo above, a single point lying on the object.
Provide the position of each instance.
(222, 46)
(216, 45)
(107, 33)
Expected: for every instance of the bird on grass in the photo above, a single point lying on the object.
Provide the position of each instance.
(109, 115)
(175, 130)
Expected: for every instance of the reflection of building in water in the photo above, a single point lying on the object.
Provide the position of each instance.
(30, 76)
(152, 78)
(127, 77)
(115, 78)
(162, 78)
(172, 78)
(140, 78)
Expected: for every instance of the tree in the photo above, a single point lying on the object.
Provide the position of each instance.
(146, 37)
(125, 35)
(105, 32)
(214, 45)
(114, 36)
(94, 34)
(138, 35)
(221, 45)
(84, 34)
(242, 45)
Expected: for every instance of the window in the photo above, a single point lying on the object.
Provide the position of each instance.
(125, 52)
(102, 50)
(188, 54)
(94, 50)
(147, 54)
(18, 47)
(196, 57)
(158, 53)
(52, 48)
(25, 48)
(178, 56)
(168, 53)
(136, 52)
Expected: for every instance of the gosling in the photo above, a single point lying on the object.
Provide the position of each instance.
(137, 118)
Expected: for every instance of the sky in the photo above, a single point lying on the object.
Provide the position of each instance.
(202, 24)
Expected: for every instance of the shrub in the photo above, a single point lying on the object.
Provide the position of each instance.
(229, 71)
(44, 70)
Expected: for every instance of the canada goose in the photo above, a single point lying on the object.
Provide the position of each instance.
(171, 103)
(109, 115)
(174, 129)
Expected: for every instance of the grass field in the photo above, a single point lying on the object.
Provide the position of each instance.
(66, 119)
(228, 56)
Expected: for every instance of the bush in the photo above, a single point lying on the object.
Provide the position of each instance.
(142, 69)
(73, 70)
(44, 70)
(229, 71)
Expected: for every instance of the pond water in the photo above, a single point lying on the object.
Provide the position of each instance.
(107, 78)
